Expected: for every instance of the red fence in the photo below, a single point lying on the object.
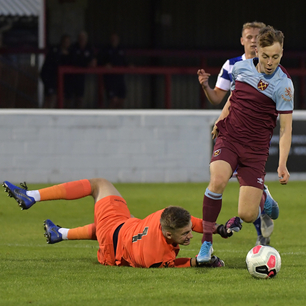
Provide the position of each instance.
(203, 56)
(168, 72)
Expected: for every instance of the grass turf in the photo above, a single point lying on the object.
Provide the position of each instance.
(35, 273)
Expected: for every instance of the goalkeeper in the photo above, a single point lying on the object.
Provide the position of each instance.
(123, 240)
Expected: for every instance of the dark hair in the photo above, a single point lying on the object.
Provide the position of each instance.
(268, 36)
(174, 217)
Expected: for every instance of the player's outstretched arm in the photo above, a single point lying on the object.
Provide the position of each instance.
(216, 95)
(215, 262)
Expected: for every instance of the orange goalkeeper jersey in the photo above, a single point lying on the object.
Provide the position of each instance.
(141, 243)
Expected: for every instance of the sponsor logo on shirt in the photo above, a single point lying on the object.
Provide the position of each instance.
(217, 152)
(288, 94)
(262, 85)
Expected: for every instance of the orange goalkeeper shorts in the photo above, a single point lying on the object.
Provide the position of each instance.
(110, 212)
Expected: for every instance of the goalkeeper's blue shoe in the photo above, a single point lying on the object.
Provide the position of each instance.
(205, 252)
(20, 194)
(271, 207)
(51, 232)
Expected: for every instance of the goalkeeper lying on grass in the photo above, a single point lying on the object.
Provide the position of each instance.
(124, 240)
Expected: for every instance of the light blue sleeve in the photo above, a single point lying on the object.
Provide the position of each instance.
(284, 95)
(234, 75)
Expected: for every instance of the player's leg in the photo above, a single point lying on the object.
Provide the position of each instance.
(271, 207)
(55, 233)
(97, 187)
(111, 213)
(223, 162)
(264, 225)
(265, 222)
(68, 191)
(220, 172)
(248, 207)
(252, 174)
(249, 203)
(251, 179)
(258, 224)
(101, 188)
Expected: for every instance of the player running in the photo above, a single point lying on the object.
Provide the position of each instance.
(264, 224)
(261, 90)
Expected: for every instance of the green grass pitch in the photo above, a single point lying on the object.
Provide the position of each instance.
(68, 273)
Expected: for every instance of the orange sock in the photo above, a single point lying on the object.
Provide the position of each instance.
(68, 191)
(87, 232)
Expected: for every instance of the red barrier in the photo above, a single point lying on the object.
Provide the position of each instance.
(201, 55)
(166, 71)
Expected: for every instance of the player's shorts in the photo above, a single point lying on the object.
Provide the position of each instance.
(251, 163)
(110, 212)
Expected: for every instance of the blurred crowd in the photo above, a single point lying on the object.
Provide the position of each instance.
(83, 54)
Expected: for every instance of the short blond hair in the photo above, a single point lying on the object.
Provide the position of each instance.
(253, 24)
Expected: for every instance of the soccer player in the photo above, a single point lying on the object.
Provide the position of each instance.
(264, 224)
(261, 90)
(123, 239)
(248, 38)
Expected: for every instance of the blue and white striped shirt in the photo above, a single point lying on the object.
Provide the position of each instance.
(225, 76)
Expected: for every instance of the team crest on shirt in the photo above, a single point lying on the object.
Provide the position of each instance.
(217, 152)
(288, 94)
(262, 85)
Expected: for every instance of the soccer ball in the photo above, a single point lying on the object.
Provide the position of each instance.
(263, 261)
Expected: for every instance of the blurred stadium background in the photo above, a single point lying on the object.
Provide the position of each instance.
(166, 41)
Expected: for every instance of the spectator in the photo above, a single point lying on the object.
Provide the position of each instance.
(58, 55)
(115, 87)
(82, 54)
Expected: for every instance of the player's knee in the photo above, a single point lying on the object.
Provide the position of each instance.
(217, 184)
(97, 183)
(247, 216)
